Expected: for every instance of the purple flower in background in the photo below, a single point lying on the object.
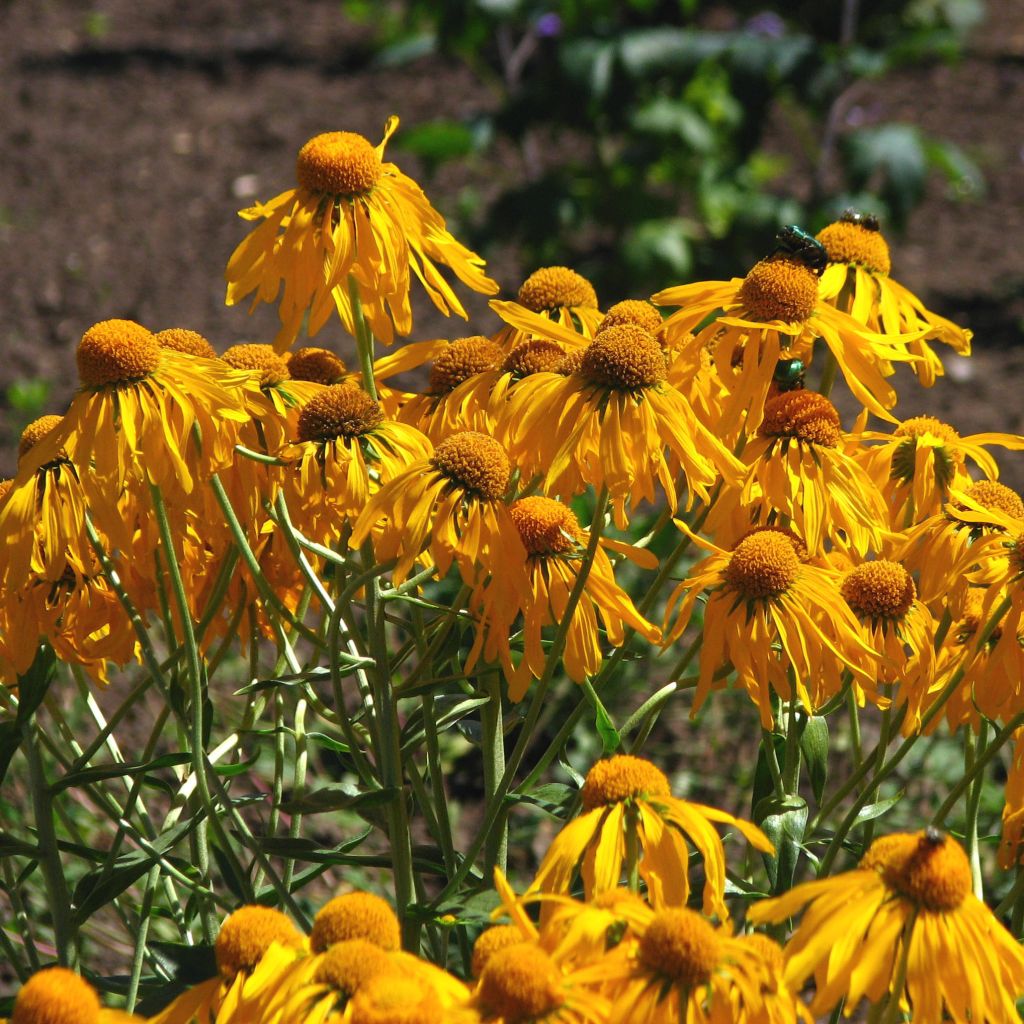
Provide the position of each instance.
(767, 24)
(549, 25)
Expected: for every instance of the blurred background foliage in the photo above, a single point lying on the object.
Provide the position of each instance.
(667, 140)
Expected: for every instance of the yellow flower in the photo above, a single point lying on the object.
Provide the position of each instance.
(910, 899)
(771, 615)
(922, 460)
(1011, 843)
(355, 217)
(345, 451)
(355, 915)
(683, 969)
(797, 470)
(626, 794)
(554, 546)
(559, 295)
(774, 313)
(446, 508)
(857, 282)
(609, 424)
(56, 995)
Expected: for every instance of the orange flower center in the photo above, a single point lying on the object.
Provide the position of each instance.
(5, 488)
(519, 983)
(768, 950)
(546, 526)
(338, 163)
(476, 462)
(804, 415)
(535, 356)
(191, 343)
(343, 410)
(779, 288)
(116, 352)
(261, 359)
(348, 964)
(551, 288)
(624, 358)
(620, 778)
(991, 494)
(926, 428)
(974, 617)
(928, 868)
(355, 915)
(319, 365)
(762, 565)
(489, 942)
(56, 996)
(798, 545)
(461, 360)
(247, 934)
(879, 590)
(394, 998)
(680, 946)
(853, 243)
(632, 311)
(36, 431)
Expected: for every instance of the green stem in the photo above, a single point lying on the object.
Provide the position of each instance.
(973, 747)
(493, 743)
(771, 759)
(632, 826)
(893, 1014)
(828, 373)
(851, 704)
(791, 772)
(364, 339)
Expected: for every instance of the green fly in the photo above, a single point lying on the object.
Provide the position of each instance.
(789, 374)
(865, 220)
(797, 243)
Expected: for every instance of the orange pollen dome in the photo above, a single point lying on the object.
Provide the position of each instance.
(768, 950)
(394, 998)
(538, 355)
(853, 243)
(991, 494)
(348, 964)
(36, 431)
(879, 590)
(191, 343)
(260, 358)
(779, 288)
(247, 934)
(519, 983)
(462, 359)
(681, 946)
(476, 462)
(974, 617)
(922, 426)
(551, 288)
(571, 364)
(115, 352)
(763, 565)
(928, 868)
(804, 415)
(319, 365)
(355, 915)
(490, 941)
(620, 778)
(798, 545)
(56, 995)
(338, 163)
(624, 358)
(546, 526)
(343, 410)
(632, 311)
(5, 487)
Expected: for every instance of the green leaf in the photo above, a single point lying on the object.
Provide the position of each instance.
(32, 687)
(876, 810)
(308, 850)
(438, 141)
(338, 798)
(783, 820)
(329, 742)
(553, 797)
(814, 747)
(11, 847)
(891, 159)
(99, 772)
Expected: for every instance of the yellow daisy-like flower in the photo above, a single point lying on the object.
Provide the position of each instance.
(557, 295)
(798, 469)
(554, 545)
(345, 451)
(683, 969)
(1011, 843)
(256, 949)
(909, 900)
(857, 282)
(609, 424)
(352, 217)
(771, 615)
(181, 339)
(447, 508)
(774, 313)
(56, 995)
(898, 626)
(922, 460)
(628, 799)
(522, 984)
